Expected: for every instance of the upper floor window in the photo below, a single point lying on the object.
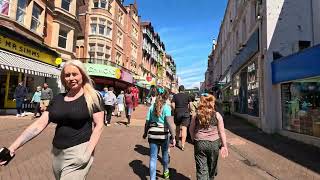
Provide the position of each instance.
(101, 27)
(63, 37)
(135, 17)
(119, 38)
(118, 59)
(65, 4)
(120, 16)
(35, 21)
(134, 50)
(134, 32)
(4, 7)
(101, 4)
(21, 11)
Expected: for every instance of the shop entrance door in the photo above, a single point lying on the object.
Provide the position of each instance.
(3, 80)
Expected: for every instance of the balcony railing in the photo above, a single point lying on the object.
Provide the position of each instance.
(106, 62)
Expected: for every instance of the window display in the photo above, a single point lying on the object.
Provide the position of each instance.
(253, 85)
(246, 91)
(300, 102)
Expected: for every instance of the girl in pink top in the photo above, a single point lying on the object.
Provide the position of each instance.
(207, 132)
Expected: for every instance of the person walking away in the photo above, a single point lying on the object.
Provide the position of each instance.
(181, 106)
(159, 123)
(129, 100)
(109, 100)
(135, 93)
(207, 132)
(46, 96)
(20, 95)
(120, 103)
(104, 91)
(36, 100)
(79, 118)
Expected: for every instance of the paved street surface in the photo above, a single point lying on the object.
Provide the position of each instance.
(123, 154)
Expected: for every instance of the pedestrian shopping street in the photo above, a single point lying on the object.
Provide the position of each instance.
(122, 154)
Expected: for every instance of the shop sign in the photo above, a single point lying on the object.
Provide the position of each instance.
(25, 50)
(145, 81)
(4, 7)
(125, 76)
(103, 70)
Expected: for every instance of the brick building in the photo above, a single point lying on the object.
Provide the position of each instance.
(33, 34)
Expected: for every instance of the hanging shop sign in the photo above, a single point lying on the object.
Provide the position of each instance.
(103, 70)
(145, 81)
(26, 50)
(126, 76)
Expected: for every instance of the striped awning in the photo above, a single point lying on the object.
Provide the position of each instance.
(14, 62)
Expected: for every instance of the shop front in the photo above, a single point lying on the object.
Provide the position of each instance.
(298, 77)
(109, 76)
(27, 61)
(245, 82)
(144, 83)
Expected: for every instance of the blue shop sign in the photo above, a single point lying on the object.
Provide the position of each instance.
(250, 49)
(304, 64)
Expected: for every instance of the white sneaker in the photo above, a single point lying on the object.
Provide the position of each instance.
(23, 114)
(18, 115)
(108, 125)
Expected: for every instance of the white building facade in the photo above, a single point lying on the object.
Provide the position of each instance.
(256, 38)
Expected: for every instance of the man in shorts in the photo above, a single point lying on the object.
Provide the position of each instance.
(181, 107)
(46, 96)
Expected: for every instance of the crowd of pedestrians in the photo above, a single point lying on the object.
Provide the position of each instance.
(81, 112)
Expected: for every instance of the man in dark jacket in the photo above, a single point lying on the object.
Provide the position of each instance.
(20, 95)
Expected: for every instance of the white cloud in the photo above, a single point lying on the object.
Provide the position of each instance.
(187, 48)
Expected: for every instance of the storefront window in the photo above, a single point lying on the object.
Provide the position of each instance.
(236, 85)
(253, 86)
(246, 91)
(14, 78)
(300, 102)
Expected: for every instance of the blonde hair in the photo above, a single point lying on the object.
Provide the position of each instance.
(91, 95)
(206, 110)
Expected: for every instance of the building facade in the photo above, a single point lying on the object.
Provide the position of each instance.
(254, 37)
(111, 45)
(34, 38)
(152, 56)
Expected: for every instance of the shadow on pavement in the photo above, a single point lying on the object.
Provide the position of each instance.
(175, 175)
(303, 154)
(142, 150)
(139, 169)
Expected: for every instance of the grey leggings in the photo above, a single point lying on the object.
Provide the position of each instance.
(206, 155)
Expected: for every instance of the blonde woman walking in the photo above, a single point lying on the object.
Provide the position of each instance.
(79, 117)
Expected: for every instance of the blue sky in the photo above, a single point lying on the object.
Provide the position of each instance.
(187, 28)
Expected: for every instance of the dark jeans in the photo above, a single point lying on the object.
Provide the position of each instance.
(206, 154)
(19, 107)
(109, 109)
(37, 108)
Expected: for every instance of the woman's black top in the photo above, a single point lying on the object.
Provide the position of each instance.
(74, 124)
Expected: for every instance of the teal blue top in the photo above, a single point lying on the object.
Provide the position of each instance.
(166, 111)
(36, 97)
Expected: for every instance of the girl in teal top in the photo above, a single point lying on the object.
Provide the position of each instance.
(158, 120)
